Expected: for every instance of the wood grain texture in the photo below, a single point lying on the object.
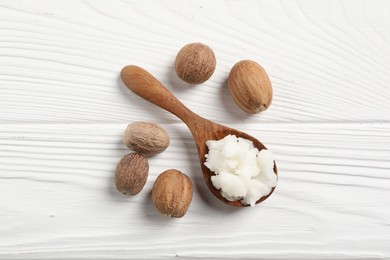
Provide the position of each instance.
(63, 110)
(59, 199)
(327, 60)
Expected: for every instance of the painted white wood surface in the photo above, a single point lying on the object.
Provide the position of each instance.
(63, 110)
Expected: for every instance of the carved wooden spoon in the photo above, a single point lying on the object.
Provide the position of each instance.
(148, 87)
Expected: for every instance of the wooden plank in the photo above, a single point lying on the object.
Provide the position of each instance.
(63, 109)
(60, 61)
(59, 201)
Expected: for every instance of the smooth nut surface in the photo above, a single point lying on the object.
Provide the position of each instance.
(131, 173)
(172, 193)
(250, 86)
(195, 63)
(146, 138)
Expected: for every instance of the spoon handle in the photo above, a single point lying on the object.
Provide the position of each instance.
(148, 87)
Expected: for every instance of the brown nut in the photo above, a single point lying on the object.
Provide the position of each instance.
(195, 63)
(146, 138)
(131, 173)
(172, 193)
(250, 86)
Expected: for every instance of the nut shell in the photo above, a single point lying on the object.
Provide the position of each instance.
(172, 193)
(195, 63)
(250, 86)
(146, 138)
(131, 173)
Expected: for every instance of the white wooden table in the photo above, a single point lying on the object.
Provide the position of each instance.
(63, 110)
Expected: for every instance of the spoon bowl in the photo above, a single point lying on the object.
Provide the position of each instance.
(148, 87)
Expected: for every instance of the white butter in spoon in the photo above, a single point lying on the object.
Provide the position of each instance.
(242, 172)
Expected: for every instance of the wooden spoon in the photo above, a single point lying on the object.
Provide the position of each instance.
(148, 87)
